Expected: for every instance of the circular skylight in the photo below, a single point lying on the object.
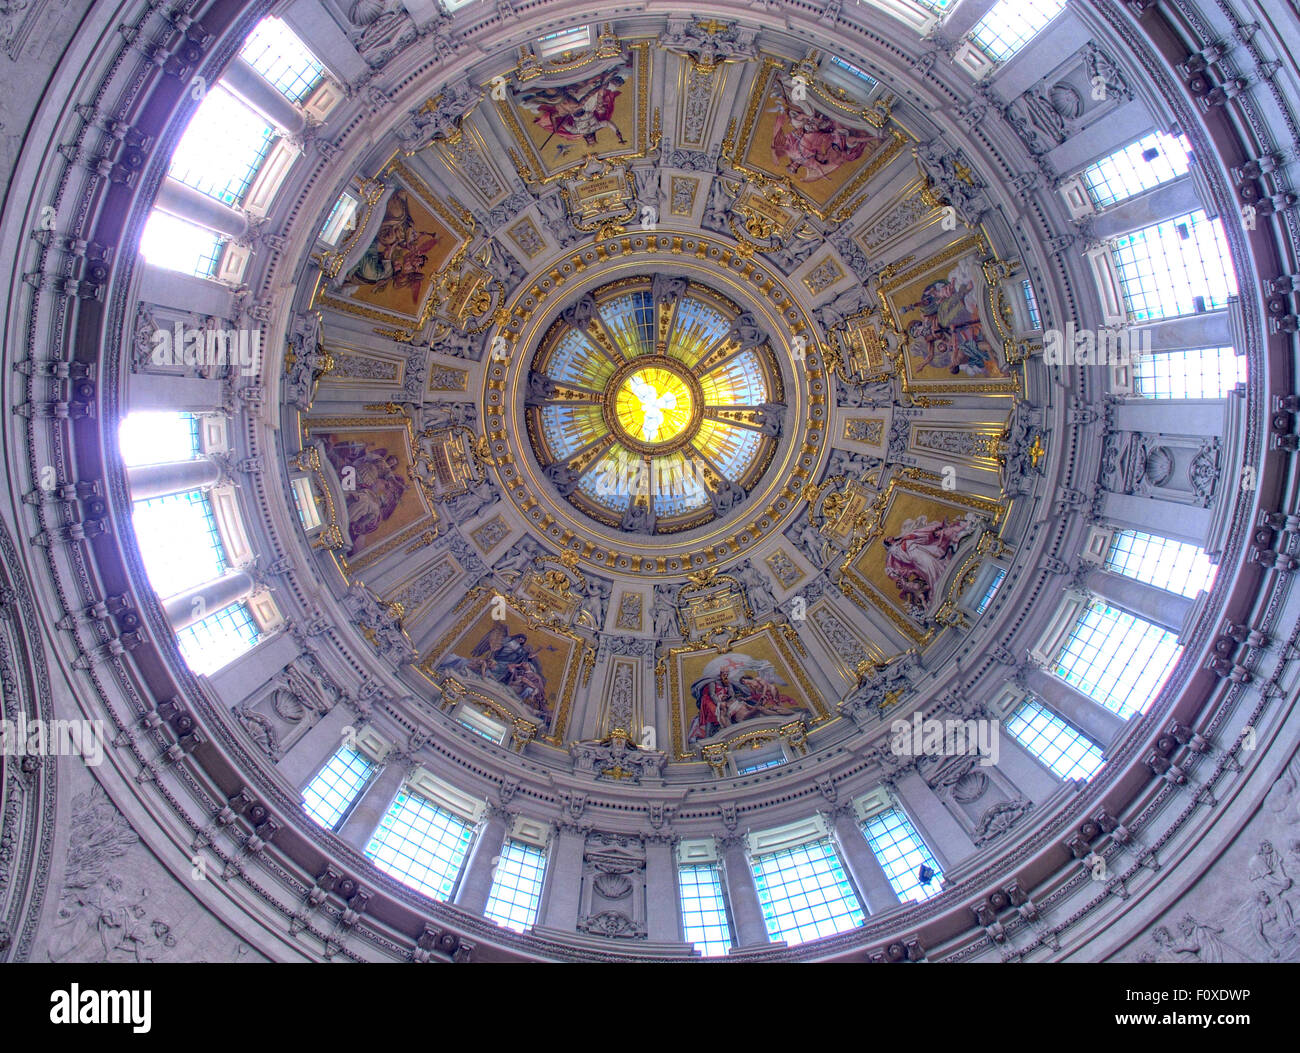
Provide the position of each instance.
(656, 405)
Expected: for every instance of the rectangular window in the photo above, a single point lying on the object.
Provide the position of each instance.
(218, 639)
(902, 854)
(1152, 160)
(274, 50)
(342, 218)
(1172, 565)
(480, 732)
(1202, 373)
(329, 797)
(853, 70)
(223, 146)
(421, 845)
(704, 910)
(1118, 660)
(179, 541)
(991, 591)
(158, 438)
(563, 40)
(1031, 303)
(1011, 24)
(177, 245)
(1175, 267)
(805, 893)
(1063, 748)
(517, 887)
(763, 765)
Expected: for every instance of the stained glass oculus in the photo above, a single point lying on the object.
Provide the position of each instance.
(654, 404)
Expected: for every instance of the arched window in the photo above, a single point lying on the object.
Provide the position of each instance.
(421, 844)
(1011, 24)
(1175, 267)
(902, 855)
(1118, 660)
(703, 908)
(1200, 373)
(1059, 745)
(1133, 169)
(274, 50)
(802, 888)
(517, 888)
(1171, 565)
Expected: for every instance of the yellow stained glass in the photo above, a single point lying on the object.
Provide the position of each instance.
(654, 405)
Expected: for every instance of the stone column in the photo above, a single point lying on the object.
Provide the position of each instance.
(945, 837)
(1171, 519)
(183, 610)
(564, 882)
(315, 28)
(476, 882)
(241, 78)
(867, 873)
(174, 477)
(1074, 707)
(256, 667)
(308, 755)
(359, 826)
(158, 391)
(1142, 210)
(1167, 609)
(746, 912)
(964, 17)
(1029, 775)
(662, 904)
(185, 202)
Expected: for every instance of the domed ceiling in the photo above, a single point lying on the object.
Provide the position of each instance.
(696, 351)
(654, 412)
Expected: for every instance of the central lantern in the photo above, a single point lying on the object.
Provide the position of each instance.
(655, 405)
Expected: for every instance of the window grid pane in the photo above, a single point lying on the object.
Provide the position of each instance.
(1176, 267)
(158, 438)
(991, 591)
(704, 910)
(329, 796)
(274, 50)
(218, 639)
(481, 732)
(849, 68)
(1202, 373)
(1011, 24)
(421, 845)
(222, 148)
(749, 769)
(517, 887)
(1160, 561)
(1117, 660)
(805, 893)
(179, 541)
(176, 245)
(1031, 303)
(563, 40)
(902, 853)
(1127, 171)
(1063, 748)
